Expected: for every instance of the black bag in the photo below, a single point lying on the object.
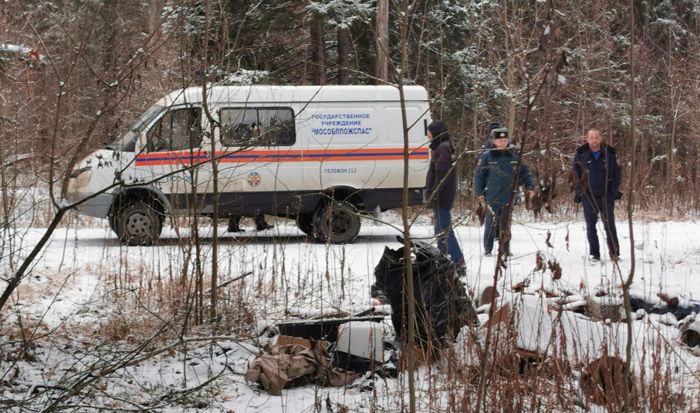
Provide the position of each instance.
(442, 304)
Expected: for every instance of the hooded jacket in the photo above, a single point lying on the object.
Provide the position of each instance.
(441, 182)
(597, 177)
(494, 176)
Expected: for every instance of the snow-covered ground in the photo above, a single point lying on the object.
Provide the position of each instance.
(71, 288)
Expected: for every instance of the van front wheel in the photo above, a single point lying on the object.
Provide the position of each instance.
(139, 224)
(336, 222)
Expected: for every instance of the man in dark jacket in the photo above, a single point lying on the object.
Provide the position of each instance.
(441, 187)
(597, 179)
(493, 184)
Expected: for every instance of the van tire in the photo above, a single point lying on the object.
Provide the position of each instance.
(305, 223)
(112, 218)
(139, 223)
(336, 222)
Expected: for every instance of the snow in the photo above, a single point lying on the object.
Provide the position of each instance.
(70, 292)
(245, 77)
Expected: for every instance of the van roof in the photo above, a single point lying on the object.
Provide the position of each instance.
(267, 94)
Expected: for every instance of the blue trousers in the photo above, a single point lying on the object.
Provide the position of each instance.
(446, 240)
(495, 224)
(593, 206)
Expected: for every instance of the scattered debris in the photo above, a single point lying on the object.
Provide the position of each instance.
(280, 367)
(690, 333)
(671, 305)
(360, 346)
(320, 329)
(283, 340)
(604, 308)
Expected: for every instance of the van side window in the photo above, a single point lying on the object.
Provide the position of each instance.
(178, 129)
(257, 127)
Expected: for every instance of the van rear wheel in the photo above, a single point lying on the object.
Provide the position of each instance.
(336, 222)
(139, 223)
(112, 218)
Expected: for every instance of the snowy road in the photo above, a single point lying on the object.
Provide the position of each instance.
(304, 274)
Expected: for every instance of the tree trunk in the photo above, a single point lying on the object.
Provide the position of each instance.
(631, 166)
(382, 44)
(156, 6)
(408, 269)
(318, 56)
(214, 177)
(109, 37)
(343, 55)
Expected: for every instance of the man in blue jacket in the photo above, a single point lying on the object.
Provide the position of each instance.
(493, 184)
(597, 180)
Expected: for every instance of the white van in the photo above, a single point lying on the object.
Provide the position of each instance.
(317, 154)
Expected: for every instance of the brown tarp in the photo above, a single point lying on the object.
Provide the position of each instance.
(289, 365)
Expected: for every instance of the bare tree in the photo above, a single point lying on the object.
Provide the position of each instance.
(382, 42)
(344, 44)
(318, 51)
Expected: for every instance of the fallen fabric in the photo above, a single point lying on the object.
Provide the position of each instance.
(680, 311)
(280, 367)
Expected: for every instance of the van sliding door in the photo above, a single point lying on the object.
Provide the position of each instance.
(258, 171)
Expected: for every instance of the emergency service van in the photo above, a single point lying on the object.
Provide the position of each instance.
(321, 155)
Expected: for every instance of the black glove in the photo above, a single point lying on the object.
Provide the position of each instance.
(578, 198)
(618, 195)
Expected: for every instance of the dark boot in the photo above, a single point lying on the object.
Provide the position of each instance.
(233, 224)
(261, 224)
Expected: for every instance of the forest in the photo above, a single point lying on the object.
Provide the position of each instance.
(547, 70)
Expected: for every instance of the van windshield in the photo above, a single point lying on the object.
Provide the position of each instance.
(127, 141)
